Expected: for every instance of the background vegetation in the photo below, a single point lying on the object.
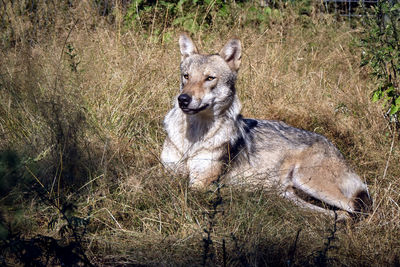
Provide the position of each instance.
(84, 86)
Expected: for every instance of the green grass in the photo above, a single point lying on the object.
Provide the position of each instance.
(81, 106)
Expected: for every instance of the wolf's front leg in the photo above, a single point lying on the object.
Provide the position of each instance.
(204, 168)
(172, 159)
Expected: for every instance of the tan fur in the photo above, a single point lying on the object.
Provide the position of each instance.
(209, 140)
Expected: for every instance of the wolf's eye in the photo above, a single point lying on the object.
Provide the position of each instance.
(186, 76)
(210, 78)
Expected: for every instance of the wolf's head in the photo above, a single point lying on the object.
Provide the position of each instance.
(208, 81)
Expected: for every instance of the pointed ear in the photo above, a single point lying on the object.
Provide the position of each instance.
(232, 53)
(187, 46)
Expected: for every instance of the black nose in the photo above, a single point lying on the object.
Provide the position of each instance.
(184, 100)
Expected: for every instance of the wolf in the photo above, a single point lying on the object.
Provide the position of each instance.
(209, 140)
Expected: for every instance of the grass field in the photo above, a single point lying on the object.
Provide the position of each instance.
(82, 98)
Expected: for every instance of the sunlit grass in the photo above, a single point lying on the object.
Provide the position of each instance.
(104, 121)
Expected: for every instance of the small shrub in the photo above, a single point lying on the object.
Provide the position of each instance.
(381, 52)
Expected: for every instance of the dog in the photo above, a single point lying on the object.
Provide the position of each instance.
(209, 140)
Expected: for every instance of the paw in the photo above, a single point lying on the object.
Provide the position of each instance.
(197, 184)
(342, 216)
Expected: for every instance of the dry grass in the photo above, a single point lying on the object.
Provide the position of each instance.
(104, 120)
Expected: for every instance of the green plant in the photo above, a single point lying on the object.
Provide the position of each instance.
(42, 250)
(381, 51)
(215, 202)
(19, 186)
(196, 15)
(191, 15)
(321, 257)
